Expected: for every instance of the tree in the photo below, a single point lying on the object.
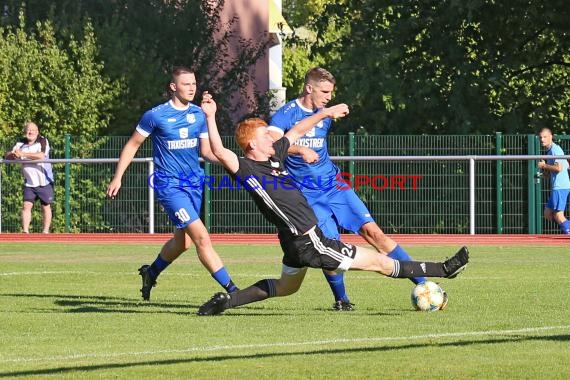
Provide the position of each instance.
(61, 87)
(141, 40)
(450, 66)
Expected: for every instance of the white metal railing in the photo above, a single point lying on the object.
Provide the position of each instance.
(471, 159)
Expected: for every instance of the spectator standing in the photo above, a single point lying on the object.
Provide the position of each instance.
(38, 176)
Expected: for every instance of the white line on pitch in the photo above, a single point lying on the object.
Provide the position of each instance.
(45, 272)
(287, 344)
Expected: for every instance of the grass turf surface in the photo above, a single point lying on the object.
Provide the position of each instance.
(74, 310)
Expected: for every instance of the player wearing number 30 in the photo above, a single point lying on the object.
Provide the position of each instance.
(179, 135)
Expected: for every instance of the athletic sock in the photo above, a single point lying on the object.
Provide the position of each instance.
(398, 253)
(158, 266)
(224, 279)
(336, 282)
(565, 227)
(409, 269)
(259, 291)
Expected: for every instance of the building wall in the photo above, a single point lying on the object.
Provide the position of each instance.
(252, 25)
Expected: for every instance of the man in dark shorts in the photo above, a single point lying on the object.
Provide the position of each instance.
(262, 173)
(38, 183)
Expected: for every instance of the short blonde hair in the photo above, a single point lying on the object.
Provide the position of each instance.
(318, 74)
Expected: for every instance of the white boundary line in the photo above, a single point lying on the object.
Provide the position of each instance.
(238, 347)
(46, 272)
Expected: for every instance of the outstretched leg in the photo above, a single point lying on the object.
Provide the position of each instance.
(366, 259)
(374, 235)
(290, 281)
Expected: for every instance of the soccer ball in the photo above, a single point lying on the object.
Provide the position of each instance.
(428, 296)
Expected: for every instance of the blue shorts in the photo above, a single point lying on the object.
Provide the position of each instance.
(558, 200)
(336, 207)
(182, 204)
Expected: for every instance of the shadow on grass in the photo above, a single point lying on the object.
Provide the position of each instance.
(104, 304)
(341, 351)
(100, 304)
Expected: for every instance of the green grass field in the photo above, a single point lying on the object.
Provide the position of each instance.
(74, 311)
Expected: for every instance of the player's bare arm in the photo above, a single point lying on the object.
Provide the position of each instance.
(127, 155)
(308, 155)
(225, 156)
(553, 168)
(334, 112)
(206, 151)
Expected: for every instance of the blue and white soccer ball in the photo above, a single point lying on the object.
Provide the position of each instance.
(428, 296)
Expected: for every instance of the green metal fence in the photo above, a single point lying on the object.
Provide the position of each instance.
(508, 197)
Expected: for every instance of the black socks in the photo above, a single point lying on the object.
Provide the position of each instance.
(410, 269)
(259, 291)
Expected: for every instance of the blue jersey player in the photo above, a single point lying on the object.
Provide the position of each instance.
(179, 135)
(309, 162)
(559, 180)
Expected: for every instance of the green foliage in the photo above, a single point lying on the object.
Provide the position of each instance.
(460, 67)
(91, 68)
(141, 40)
(301, 48)
(60, 86)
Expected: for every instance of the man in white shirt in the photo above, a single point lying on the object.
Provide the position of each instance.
(38, 177)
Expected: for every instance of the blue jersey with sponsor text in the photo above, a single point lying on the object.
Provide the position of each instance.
(559, 180)
(319, 175)
(176, 134)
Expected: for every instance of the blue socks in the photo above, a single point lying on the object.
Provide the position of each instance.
(158, 266)
(398, 253)
(221, 275)
(223, 278)
(336, 282)
(565, 227)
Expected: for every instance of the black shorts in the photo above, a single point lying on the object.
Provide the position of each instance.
(314, 250)
(43, 193)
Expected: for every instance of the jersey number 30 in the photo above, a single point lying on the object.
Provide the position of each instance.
(182, 215)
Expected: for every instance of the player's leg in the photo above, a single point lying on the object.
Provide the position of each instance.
(183, 208)
(372, 233)
(563, 223)
(316, 251)
(29, 199)
(548, 214)
(45, 193)
(46, 218)
(208, 255)
(290, 281)
(369, 260)
(26, 216)
(353, 215)
(335, 279)
(318, 200)
(169, 252)
(175, 204)
(555, 207)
